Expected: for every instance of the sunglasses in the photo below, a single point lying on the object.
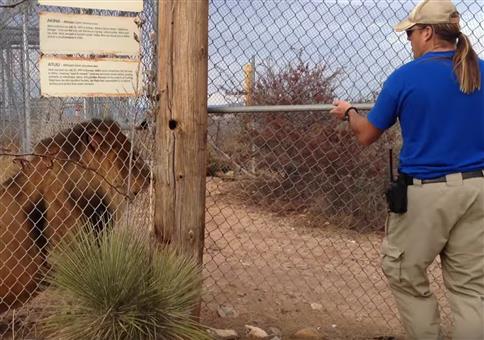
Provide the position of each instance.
(411, 30)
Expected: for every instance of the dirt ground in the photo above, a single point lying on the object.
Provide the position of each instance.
(271, 268)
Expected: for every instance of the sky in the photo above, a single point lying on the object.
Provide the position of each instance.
(356, 36)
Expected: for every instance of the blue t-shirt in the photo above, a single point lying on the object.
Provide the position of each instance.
(442, 128)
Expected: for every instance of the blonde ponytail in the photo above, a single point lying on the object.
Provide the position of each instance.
(466, 65)
(466, 61)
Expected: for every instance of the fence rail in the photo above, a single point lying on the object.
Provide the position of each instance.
(280, 108)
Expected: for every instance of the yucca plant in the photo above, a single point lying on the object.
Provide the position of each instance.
(113, 285)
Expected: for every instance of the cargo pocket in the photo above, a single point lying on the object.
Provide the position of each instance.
(392, 221)
(392, 261)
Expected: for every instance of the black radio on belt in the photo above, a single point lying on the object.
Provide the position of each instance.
(396, 193)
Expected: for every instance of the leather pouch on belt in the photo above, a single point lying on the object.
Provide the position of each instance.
(396, 196)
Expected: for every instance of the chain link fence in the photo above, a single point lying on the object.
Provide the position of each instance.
(295, 208)
(64, 161)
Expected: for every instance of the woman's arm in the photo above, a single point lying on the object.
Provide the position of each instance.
(364, 131)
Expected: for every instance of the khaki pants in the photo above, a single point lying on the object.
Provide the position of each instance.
(445, 219)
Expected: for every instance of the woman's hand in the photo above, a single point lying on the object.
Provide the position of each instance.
(340, 108)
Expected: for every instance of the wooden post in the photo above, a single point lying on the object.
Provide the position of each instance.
(181, 124)
(249, 80)
(249, 83)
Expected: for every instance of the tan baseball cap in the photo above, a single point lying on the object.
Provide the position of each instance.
(430, 12)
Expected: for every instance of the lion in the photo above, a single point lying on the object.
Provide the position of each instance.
(19, 255)
(81, 174)
(91, 171)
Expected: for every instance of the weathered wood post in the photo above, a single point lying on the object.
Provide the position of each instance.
(181, 124)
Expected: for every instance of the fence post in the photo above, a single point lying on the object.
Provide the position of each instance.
(181, 124)
(26, 138)
(249, 83)
(10, 85)
(3, 94)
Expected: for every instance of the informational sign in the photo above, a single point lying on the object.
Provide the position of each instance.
(88, 34)
(80, 77)
(116, 5)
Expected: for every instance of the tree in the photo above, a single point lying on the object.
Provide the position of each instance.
(310, 160)
(295, 83)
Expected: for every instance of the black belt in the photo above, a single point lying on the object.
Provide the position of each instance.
(443, 179)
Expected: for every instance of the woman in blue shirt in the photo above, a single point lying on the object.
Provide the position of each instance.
(439, 103)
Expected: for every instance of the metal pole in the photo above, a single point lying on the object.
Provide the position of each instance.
(279, 108)
(26, 82)
(84, 109)
(3, 94)
(87, 103)
(10, 92)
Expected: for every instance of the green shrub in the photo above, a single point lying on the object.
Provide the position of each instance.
(116, 286)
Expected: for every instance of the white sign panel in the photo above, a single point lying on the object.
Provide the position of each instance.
(116, 5)
(79, 77)
(91, 34)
